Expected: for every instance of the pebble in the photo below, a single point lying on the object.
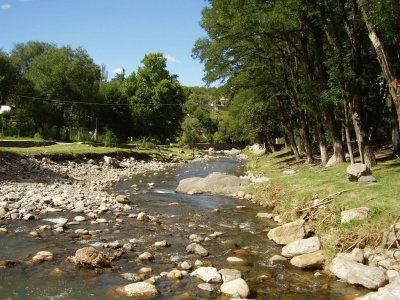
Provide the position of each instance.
(145, 270)
(142, 216)
(43, 256)
(161, 244)
(79, 219)
(175, 274)
(146, 256)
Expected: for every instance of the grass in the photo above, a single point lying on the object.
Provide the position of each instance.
(75, 150)
(288, 194)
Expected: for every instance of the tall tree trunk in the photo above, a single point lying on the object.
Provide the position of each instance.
(305, 135)
(293, 145)
(334, 129)
(395, 131)
(366, 153)
(322, 142)
(383, 58)
(347, 131)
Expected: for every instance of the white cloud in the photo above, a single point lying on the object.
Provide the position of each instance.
(117, 71)
(5, 6)
(170, 58)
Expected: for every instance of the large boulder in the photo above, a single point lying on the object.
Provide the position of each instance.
(388, 292)
(215, 183)
(357, 170)
(207, 274)
(288, 232)
(359, 213)
(314, 260)
(300, 247)
(236, 288)
(356, 273)
(142, 290)
(90, 257)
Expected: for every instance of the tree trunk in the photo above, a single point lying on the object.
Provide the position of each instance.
(383, 58)
(293, 145)
(322, 142)
(334, 129)
(347, 131)
(271, 143)
(366, 153)
(305, 135)
(395, 131)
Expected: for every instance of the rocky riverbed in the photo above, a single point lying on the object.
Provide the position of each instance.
(119, 228)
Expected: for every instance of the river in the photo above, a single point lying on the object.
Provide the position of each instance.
(244, 236)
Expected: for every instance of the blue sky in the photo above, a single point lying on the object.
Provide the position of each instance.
(117, 33)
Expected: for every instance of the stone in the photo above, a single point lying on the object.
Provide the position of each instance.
(58, 221)
(142, 216)
(288, 232)
(388, 292)
(234, 260)
(289, 172)
(277, 259)
(131, 277)
(299, 247)
(90, 257)
(356, 273)
(260, 179)
(215, 183)
(142, 290)
(3, 230)
(331, 162)
(146, 256)
(367, 179)
(196, 237)
(357, 255)
(235, 288)
(145, 270)
(123, 199)
(161, 244)
(265, 215)
(314, 260)
(197, 249)
(43, 256)
(185, 265)
(3, 211)
(79, 218)
(357, 170)
(28, 217)
(207, 274)
(392, 274)
(359, 213)
(230, 274)
(175, 274)
(6, 264)
(206, 287)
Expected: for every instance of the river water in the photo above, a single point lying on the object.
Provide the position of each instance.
(244, 236)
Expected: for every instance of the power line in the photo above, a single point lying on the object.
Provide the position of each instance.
(92, 103)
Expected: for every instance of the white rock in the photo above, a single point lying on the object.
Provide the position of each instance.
(140, 290)
(207, 274)
(288, 232)
(277, 259)
(236, 287)
(388, 292)
(230, 274)
(234, 260)
(299, 247)
(354, 214)
(265, 215)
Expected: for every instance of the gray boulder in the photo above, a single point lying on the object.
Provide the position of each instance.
(288, 232)
(357, 170)
(215, 183)
(388, 292)
(197, 249)
(356, 273)
(300, 247)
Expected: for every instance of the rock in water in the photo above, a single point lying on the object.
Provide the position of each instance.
(288, 232)
(388, 292)
(90, 257)
(357, 170)
(236, 287)
(299, 247)
(207, 274)
(142, 290)
(314, 260)
(230, 274)
(215, 183)
(123, 199)
(356, 273)
(197, 249)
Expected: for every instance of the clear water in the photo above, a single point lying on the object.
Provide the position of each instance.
(244, 236)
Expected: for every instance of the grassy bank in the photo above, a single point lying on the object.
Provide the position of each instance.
(292, 196)
(74, 150)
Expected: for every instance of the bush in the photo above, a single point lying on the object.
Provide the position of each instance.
(109, 139)
(38, 136)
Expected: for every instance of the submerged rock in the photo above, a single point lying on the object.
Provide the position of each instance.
(230, 274)
(314, 260)
(215, 183)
